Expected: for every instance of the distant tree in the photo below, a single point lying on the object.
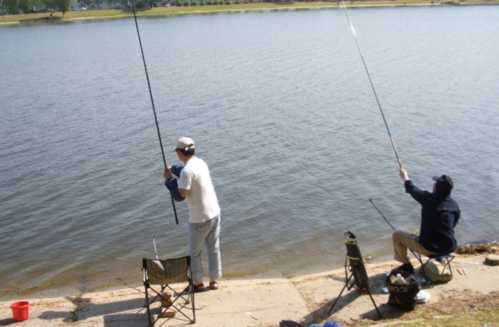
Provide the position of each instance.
(11, 6)
(125, 4)
(64, 6)
(85, 3)
(50, 4)
(26, 6)
(58, 5)
(139, 4)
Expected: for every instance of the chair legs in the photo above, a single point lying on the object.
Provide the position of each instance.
(339, 295)
(178, 302)
(450, 266)
(147, 304)
(193, 304)
(158, 277)
(355, 272)
(374, 303)
(445, 260)
(347, 283)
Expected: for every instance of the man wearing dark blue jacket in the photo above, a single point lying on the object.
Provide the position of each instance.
(439, 215)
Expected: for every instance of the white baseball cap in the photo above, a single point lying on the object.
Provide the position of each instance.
(185, 143)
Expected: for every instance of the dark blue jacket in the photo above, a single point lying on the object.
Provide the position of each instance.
(171, 183)
(439, 216)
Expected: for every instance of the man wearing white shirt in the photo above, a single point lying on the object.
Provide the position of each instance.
(196, 187)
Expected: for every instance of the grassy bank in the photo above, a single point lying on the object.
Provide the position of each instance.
(214, 9)
(462, 309)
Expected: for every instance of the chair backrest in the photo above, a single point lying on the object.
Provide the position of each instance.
(356, 262)
(158, 271)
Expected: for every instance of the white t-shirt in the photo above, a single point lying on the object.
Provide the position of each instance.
(202, 200)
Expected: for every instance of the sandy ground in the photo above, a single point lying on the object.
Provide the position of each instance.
(260, 302)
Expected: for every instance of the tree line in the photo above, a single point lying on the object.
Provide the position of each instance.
(32, 6)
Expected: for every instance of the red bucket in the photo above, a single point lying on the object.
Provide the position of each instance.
(20, 310)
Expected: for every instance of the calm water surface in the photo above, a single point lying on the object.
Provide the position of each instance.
(281, 110)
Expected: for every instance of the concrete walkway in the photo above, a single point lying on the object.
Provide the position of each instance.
(259, 302)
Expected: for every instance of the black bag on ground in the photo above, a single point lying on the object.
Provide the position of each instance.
(402, 295)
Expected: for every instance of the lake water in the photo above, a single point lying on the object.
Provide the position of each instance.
(280, 108)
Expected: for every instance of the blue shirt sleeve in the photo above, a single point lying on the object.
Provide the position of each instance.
(172, 186)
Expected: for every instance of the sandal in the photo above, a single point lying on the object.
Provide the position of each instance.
(213, 286)
(166, 300)
(200, 288)
(167, 314)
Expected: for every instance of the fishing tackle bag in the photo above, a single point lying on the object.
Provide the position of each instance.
(403, 287)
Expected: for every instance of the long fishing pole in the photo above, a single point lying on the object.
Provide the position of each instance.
(371, 83)
(389, 224)
(152, 102)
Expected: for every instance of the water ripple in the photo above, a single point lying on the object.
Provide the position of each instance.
(282, 111)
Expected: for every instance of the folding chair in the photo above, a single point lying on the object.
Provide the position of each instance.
(444, 259)
(355, 272)
(164, 273)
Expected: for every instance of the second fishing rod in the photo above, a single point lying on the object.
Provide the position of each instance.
(417, 256)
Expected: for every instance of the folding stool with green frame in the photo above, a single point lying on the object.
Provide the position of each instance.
(164, 273)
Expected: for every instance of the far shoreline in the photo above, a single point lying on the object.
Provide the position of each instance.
(158, 12)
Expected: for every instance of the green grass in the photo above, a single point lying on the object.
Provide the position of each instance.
(213, 9)
(457, 310)
(470, 319)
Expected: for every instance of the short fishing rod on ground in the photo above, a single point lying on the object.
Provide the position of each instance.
(156, 255)
(152, 101)
(157, 260)
(371, 83)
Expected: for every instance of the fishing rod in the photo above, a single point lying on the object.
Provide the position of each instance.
(371, 83)
(389, 224)
(152, 102)
(381, 214)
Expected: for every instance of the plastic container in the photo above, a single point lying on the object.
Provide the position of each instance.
(20, 310)
(422, 297)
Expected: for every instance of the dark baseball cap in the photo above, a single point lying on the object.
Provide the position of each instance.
(444, 183)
